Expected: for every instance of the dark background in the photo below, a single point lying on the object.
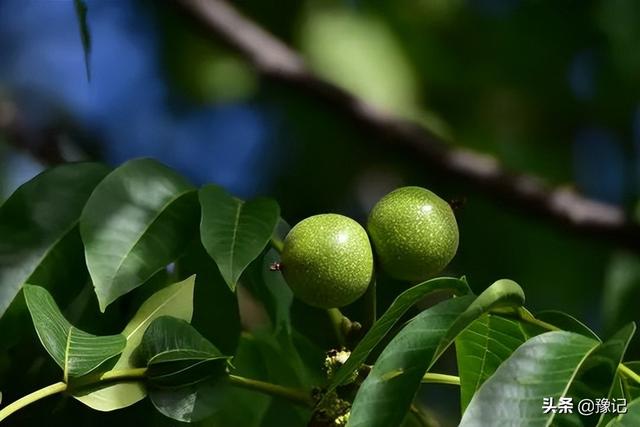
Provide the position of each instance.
(550, 88)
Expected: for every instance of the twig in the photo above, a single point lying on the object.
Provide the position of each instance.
(277, 62)
(299, 397)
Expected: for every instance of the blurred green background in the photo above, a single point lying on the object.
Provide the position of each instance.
(550, 88)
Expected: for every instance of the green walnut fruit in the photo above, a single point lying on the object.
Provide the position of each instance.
(414, 233)
(327, 260)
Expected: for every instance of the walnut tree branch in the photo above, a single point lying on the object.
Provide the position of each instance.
(277, 62)
(41, 144)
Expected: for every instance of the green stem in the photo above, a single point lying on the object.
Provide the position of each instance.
(61, 387)
(626, 371)
(297, 396)
(370, 306)
(277, 244)
(435, 378)
(336, 318)
(540, 323)
(49, 390)
(119, 375)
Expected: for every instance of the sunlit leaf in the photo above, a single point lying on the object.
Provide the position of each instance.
(175, 300)
(75, 351)
(483, 346)
(386, 394)
(384, 324)
(630, 419)
(597, 376)
(138, 219)
(543, 367)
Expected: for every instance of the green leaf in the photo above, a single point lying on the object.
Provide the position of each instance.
(386, 394)
(75, 351)
(177, 355)
(384, 324)
(192, 403)
(239, 407)
(81, 14)
(174, 300)
(222, 325)
(285, 366)
(566, 322)
(630, 419)
(490, 340)
(138, 219)
(483, 346)
(621, 290)
(234, 232)
(36, 219)
(270, 288)
(596, 379)
(543, 367)
(184, 370)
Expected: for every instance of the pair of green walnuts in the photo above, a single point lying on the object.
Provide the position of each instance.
(327, 259)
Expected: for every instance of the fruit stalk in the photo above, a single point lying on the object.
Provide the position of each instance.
(336, 318)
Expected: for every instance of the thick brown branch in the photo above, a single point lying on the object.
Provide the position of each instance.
(277, 62)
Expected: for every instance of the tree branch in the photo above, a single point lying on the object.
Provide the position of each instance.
(277, 62)
(42, 145)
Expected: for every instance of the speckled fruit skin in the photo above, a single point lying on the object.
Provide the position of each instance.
(327, 260)
(414, 233)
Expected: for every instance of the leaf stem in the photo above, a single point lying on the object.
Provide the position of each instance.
(294, 395)
(336, 318)
(30, 398)
(435, 378)
(626, 371)
(540, 323)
